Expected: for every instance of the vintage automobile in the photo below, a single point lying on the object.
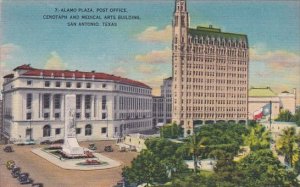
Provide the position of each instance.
(37, 185)
(108, 148)
(25, 180)
(59, 141)
(92, 146)
(15, 172)
(22, 175)
(10, 164)
(8, 149)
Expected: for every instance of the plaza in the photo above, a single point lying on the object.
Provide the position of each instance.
(41, 170)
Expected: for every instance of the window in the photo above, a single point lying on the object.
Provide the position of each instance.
(78, 85)
(57, 131)
(78, 101)
(103, 85)
(87, 115)
(77, 115)
(29, 101)
(68, 84)
(87, 101)
(104, 102)
(28, 115)
(88, 85)
(29, 82)
(46, 100)
(46, 131)
(47, 83)
(103, 115)
(103, 130)
(57, 101)
(46, 115)
(57, 84)
(56, 115)
(88, 130)
(78, 130)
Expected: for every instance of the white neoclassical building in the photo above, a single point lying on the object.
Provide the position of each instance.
(107, 106)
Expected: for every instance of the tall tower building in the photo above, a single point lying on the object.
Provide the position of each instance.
(210, 73)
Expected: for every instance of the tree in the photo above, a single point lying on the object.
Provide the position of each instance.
(171, 131)
(146, 168)
(158, 164)
(297, 117)
(261, 168)
(194, 145)
(258, 138)
(285, 115)
(287, 145)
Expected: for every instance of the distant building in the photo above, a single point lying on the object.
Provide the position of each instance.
(107, 106)
(1, 118)
(162, 105)
(261, 96)
(210, 73)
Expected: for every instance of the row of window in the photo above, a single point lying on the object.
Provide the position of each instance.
(211, 115)
(87, 130)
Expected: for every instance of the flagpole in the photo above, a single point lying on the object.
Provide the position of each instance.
(270, 115)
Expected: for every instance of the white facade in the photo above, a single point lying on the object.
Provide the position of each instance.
(106, 106)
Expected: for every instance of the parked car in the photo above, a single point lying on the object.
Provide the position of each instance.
(37, 185)
(10, 164)
(8, 149)
(22, 175)
(15, 172)
(92, 146)
(108, 148)
(25, 180)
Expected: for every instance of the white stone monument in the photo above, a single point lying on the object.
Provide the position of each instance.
(71, 146)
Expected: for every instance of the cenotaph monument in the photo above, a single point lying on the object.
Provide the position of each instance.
(71, 147)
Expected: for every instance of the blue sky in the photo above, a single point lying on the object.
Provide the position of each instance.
(140, 49)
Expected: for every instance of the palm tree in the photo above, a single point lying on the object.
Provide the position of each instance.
(194, 145)
(287, 145)
(258, 138)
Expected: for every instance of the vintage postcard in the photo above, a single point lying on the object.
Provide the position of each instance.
(103, 93)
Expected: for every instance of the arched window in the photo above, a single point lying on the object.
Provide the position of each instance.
(88, 130)
(46, 131)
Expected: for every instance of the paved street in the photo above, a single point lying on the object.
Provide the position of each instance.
(52, 176)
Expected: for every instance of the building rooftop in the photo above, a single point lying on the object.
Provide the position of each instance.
(261, 92)
(33, 72)
(216, 33)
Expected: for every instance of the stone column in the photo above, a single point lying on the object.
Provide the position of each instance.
(62, 108)
(92, 106)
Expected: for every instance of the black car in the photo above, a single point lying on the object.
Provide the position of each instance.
(23, 175)
(15, 172)
(24, 178)
(8, 149)
(37, 185)
(108, 148)
(92, 146)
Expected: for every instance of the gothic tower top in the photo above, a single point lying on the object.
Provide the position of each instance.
(180, 6)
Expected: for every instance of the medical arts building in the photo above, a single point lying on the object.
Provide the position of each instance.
(210, 73)
(107, 106)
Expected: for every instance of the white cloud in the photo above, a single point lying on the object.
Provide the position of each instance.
(156, 57)
(155, 82)
(55, 62)
(145, 68)
(153, 34)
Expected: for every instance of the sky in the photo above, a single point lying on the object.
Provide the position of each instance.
(140, 49)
